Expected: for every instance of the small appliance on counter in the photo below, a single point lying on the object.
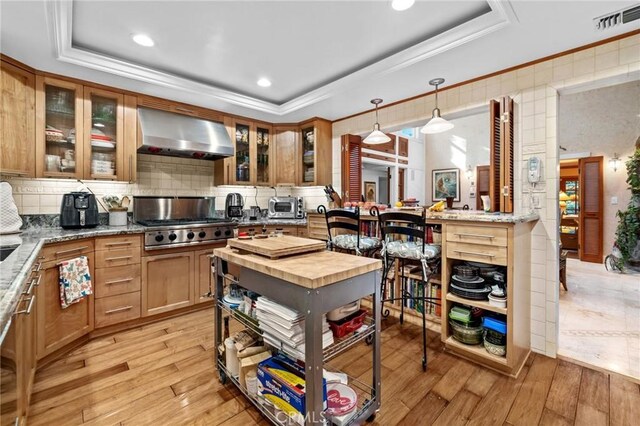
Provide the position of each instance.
(233, 205)
(286, 208)
(78, 210)
(254, 213)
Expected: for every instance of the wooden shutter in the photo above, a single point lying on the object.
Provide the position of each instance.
(591, 209)
(351, 167)
(501, 155)
(482, 184)
(494, 154)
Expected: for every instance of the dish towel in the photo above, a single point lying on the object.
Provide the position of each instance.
(75, 281)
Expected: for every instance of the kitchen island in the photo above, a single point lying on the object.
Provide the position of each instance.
(313, 284)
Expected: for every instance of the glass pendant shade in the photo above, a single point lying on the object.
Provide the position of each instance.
(376, 137)
(437, 124)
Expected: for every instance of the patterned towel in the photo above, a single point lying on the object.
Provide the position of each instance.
(75, 281)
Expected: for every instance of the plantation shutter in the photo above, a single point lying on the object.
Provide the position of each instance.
(494, 155)
(591, 209)
(351, 167)
(501, 155)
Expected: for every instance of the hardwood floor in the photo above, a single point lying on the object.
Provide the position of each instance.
(163, 373)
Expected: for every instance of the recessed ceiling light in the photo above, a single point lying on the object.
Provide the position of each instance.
(143, 40)
(401, 5)
(264, 82)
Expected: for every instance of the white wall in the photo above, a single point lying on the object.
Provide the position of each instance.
(415, 183)
(466, 144)
(372, 174)
(603, 121)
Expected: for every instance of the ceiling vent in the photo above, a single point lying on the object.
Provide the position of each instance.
(620, 17)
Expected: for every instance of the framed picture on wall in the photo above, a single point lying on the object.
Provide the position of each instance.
(370, 191)
(445, 183)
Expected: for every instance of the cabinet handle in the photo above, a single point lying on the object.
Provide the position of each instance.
(122, 243)
(491, 237)
(181, 109)
(59, 253)
(37, 268)
(38, 280)
(131, 169)
(124, 280)
(116, 310)
(34, 283)
(112, 259)
(27, 311)
(473, 253)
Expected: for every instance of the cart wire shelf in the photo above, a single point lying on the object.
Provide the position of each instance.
(364, 408)
(328, 353)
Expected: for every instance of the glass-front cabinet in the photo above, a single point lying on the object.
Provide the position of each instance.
(243, 163)
(79, 131)
(103, 123)
(60, 135)
(308, 153)
(263, 155)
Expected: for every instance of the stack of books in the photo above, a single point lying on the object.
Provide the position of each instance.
(283, 327)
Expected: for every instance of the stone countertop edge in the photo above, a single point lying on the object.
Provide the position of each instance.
(17, 266)
(267, 221)
(479, 216)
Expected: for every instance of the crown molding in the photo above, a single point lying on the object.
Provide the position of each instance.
(59, 21)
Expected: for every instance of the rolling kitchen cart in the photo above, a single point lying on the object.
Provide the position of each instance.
(312, 284)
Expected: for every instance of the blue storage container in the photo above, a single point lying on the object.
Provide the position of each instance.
(494, 324)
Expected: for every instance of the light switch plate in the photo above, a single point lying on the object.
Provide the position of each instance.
(614, 200)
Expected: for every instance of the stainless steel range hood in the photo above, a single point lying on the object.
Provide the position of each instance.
(166, 133)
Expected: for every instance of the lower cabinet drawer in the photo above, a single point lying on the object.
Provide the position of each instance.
(117, 257)
(117, 280)
(477, 253)
(115, 309)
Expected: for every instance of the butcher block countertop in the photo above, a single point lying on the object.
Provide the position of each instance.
(310, 270)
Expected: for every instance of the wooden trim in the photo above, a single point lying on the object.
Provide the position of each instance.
(381, 157)
(502, 71)
(585, 214)
(16, 63)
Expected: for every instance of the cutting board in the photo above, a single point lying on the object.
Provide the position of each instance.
(275, 247)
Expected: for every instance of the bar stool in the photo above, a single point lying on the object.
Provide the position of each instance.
(343, 229)
(404, 240)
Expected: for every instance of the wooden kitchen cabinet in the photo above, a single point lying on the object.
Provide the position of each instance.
(17, 134)
(286, 155)
(103, 134)
(56, 327)
(59, 128)
(243, 137)
(315, 153)
(204, 275)
(168, 282)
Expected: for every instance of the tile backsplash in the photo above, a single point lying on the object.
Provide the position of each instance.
(156, 176)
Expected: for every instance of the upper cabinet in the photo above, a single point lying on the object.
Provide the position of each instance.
(80, 132)
(264, 157)
(59, 128)
(243, 133)
(17, 155)
(104, 134)
(286, 149)
(315, 153)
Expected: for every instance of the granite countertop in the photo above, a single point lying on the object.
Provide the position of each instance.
(481, 216)
(17, 266)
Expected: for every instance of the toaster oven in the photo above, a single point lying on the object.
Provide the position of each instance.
(286, 208)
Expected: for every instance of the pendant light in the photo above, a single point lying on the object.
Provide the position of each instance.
(437, 124)
(376, 137)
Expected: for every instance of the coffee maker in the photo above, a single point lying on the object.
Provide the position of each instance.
(78, 210)
(233, 205)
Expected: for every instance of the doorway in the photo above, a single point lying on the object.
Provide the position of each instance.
(599, 312)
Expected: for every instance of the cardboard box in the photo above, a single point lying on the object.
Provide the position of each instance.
(282, 382)
(251, 363)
